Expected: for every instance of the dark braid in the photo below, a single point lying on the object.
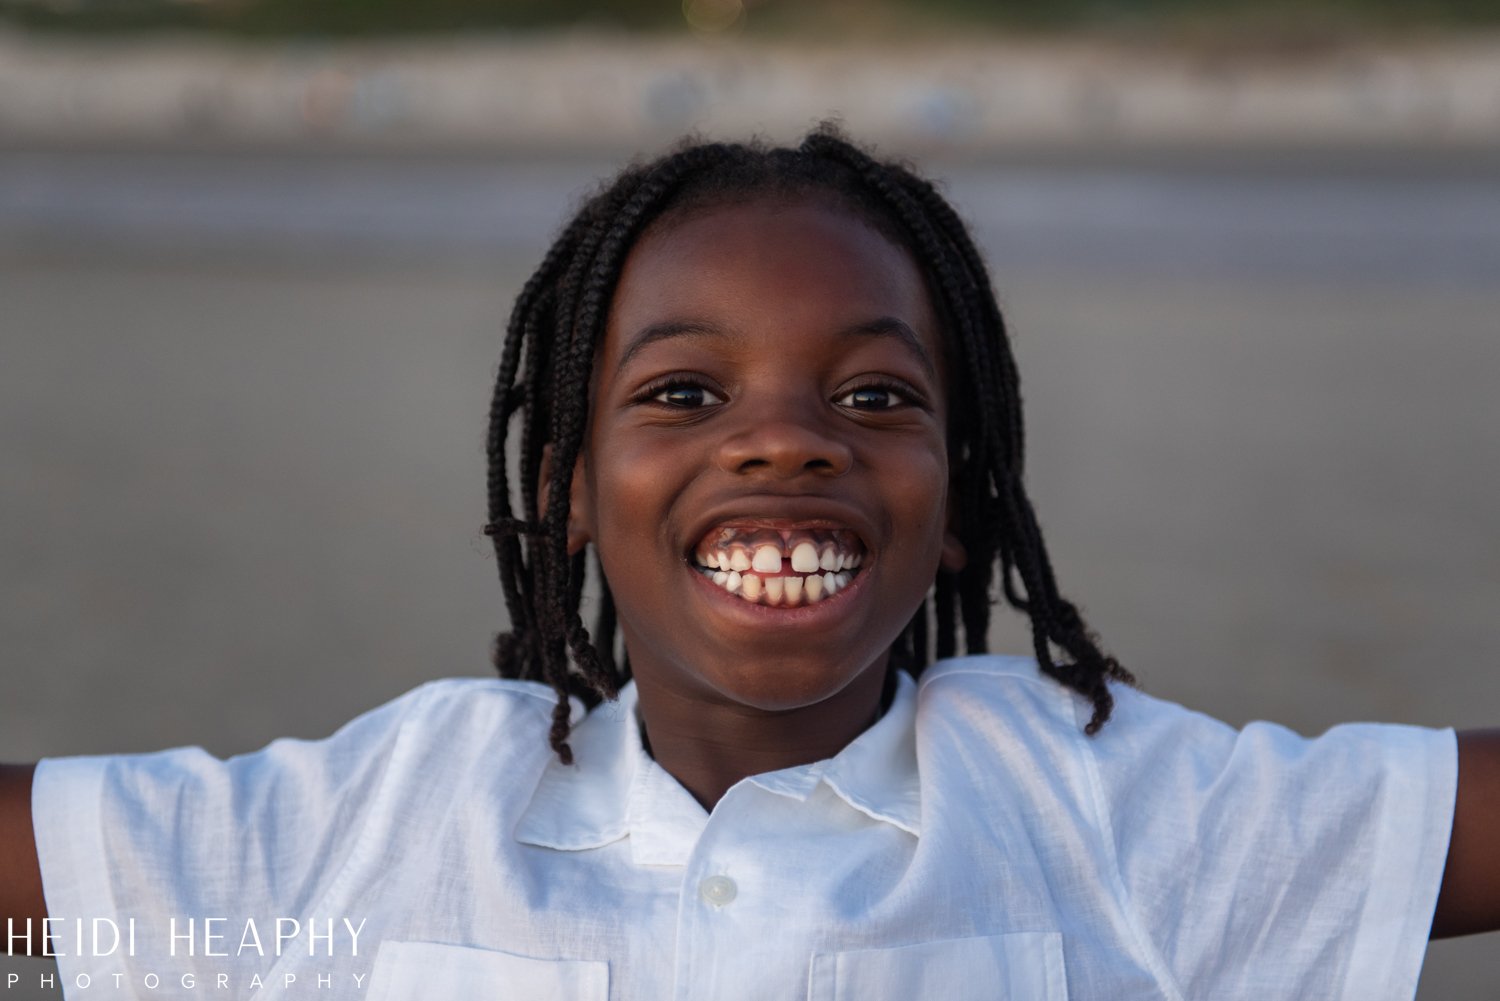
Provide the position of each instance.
(546, 367)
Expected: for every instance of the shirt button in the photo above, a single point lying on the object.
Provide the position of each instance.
(718, 890)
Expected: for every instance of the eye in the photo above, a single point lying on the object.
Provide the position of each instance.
(685, 396)
(874, 397)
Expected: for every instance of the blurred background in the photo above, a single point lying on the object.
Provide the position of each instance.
(256, 257)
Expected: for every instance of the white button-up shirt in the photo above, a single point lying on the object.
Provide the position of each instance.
(971, 844)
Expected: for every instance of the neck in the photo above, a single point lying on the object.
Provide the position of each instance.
(709, 746)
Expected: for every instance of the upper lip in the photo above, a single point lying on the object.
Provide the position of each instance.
(778, 511)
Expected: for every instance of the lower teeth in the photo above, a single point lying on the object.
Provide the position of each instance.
(781, 591)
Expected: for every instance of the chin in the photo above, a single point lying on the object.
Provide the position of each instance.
(787, 686)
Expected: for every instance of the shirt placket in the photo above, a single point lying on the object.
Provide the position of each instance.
(736, 886)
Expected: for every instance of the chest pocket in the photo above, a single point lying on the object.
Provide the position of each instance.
(1022, 966)
(417, 971)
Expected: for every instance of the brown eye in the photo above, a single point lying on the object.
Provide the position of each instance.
(687, 397)
(871, 398)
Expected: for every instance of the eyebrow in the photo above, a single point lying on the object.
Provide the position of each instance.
(884, 326)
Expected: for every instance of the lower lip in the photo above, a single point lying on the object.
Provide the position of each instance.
(825, 610)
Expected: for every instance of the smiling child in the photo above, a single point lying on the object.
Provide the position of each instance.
(766, 394)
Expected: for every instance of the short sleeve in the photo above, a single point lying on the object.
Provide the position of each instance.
(179, 835)
(1265, 864)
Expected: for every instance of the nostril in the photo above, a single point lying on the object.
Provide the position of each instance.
(783, 448)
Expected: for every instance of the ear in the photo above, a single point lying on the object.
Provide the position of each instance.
(580, 516)
(953, 557)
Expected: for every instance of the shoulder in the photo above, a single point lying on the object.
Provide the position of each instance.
(1010, 688)
(458, 718)
(991, 672)
(1005, 713)
(434, 728)
(460, 700)
(1016, 687)
(1148, 743)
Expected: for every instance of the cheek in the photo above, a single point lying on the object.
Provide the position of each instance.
(632, 491)
(918, 488)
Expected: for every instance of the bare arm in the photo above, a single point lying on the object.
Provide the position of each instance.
(20, 873)
(1469, 900)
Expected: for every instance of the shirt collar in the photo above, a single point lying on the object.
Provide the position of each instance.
(876, 773)
(614, 789)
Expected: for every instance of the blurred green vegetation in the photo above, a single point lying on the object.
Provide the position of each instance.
(829, 18)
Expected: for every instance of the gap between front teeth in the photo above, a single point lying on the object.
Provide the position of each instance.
(805, 559)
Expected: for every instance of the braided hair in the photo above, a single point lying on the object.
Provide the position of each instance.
(542, 385)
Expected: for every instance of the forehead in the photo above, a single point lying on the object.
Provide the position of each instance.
(801, 264)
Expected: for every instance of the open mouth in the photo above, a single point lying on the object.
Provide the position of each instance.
(780, 567)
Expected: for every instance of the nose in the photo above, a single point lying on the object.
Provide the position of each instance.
(783, 443)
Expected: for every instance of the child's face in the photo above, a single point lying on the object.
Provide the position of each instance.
(771, 375)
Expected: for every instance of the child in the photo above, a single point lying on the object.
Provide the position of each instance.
(770, 392)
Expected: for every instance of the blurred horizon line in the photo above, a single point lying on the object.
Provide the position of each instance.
(597, 93)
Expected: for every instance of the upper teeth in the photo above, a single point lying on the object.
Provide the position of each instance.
(805, 557)
(780, 567)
